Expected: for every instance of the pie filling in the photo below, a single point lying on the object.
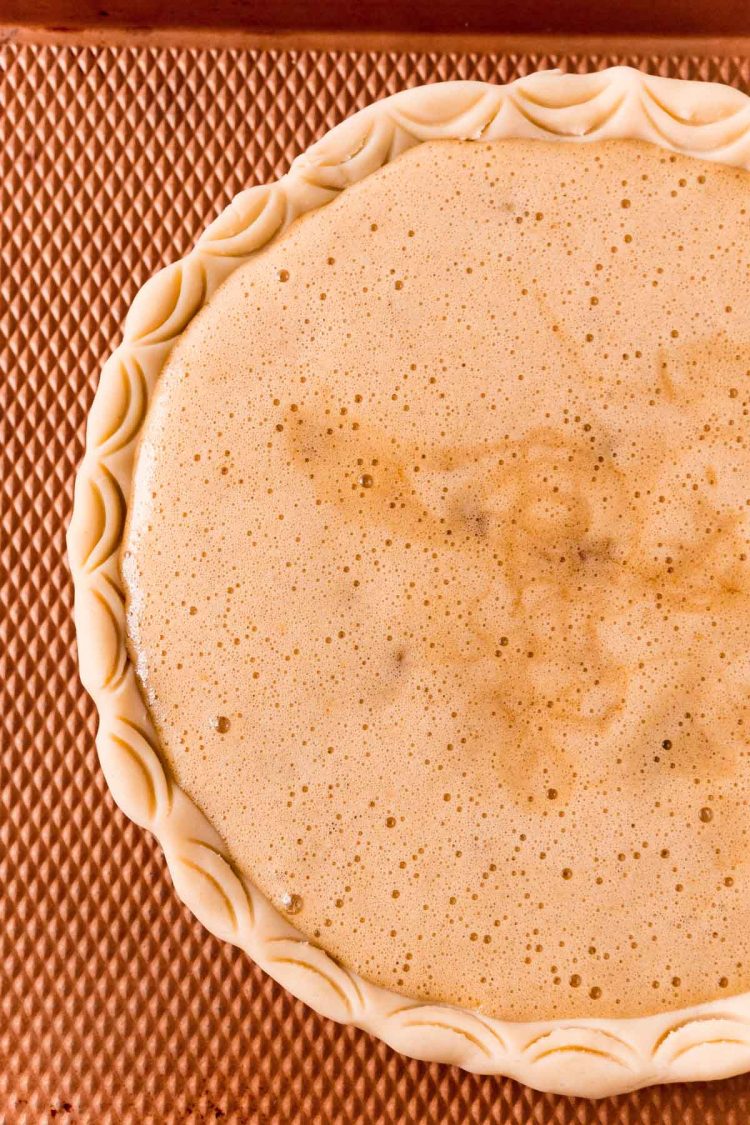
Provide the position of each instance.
(438, 573)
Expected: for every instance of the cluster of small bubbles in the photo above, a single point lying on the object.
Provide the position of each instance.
(443, 513)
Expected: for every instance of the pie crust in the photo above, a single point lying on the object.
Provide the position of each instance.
(589, 1057)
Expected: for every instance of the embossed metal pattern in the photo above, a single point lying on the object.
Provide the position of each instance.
(115, 1004)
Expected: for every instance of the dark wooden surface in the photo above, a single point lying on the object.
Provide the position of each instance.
(511, 17)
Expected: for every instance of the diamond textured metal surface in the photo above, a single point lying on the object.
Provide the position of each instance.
(115, 1005)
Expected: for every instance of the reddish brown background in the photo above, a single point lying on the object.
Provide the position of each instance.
(115, 1005)
(526, 17)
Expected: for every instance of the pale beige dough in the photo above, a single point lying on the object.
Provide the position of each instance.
(438, 578)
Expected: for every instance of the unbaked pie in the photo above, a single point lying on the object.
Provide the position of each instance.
(412, 560)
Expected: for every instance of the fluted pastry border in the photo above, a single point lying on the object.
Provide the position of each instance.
(590, 1057)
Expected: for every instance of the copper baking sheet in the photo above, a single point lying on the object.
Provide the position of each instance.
(115, 1005)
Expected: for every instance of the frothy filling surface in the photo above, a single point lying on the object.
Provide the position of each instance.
(439, 578)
